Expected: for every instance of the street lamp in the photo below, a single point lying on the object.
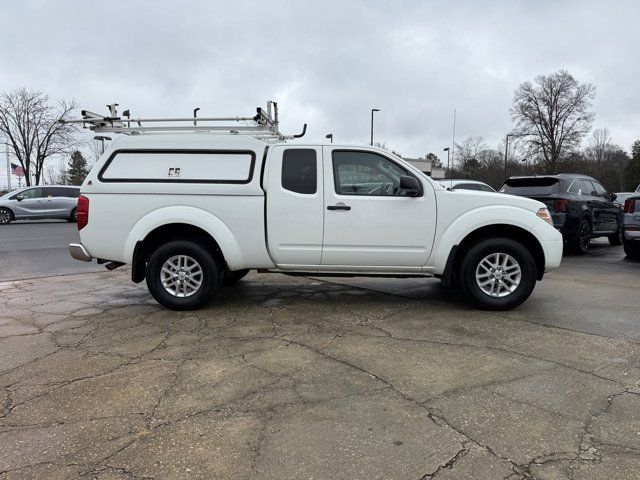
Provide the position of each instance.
(101, 139)
(448, 169)
(373, 110)
(506, 150)
(195, 115)
(330, 136)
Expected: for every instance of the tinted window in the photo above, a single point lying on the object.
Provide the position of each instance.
(55, 192)
(531, 186)
(485, 188)
(465, 186)
(72, 192)
(30, 193)
(364, 173)
(600, 190)
(300, 170)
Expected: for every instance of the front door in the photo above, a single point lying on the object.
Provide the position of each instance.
(295, 208)
(370, 222)
(31, 205)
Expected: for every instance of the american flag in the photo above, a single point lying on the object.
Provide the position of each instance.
(17, 170)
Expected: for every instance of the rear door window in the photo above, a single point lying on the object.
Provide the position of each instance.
(54, 192)
(300, 170)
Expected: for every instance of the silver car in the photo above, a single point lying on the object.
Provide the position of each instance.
(631, 227)
(465, 184)
(31, 203)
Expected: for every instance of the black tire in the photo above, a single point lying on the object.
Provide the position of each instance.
(6, 216)
(73, 218)
(494, 246)
(210, 275)
(231, 278)
(632, 250)
(615, 240)
(581, 242)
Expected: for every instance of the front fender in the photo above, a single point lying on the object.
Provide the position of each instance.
(455, 231)
(192, 216)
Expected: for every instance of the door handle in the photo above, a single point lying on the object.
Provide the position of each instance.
(339, 207)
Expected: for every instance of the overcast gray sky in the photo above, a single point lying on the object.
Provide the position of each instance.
(328, 63)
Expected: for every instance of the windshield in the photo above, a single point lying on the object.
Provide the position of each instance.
(531, 186)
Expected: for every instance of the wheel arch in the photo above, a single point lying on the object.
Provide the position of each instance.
(525, 237)
(186, 223)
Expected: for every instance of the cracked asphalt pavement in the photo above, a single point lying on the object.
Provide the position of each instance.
(299, 378)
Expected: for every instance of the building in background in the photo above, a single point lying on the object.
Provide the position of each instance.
(426, 167)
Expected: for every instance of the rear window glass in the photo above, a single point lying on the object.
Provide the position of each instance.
(300, 170)
(465, 186)
(531, 186)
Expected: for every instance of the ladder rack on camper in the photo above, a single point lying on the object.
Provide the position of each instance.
(263, 125)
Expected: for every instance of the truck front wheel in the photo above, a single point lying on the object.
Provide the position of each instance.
(498, 273)
(182, 275)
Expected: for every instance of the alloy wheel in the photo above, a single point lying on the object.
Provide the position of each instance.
(498, 274)
(181, 276)
(584, 236)
(5, 216)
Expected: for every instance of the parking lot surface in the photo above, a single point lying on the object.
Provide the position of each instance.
(284, 377)
(39, 248)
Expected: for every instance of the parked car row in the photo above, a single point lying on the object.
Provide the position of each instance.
(35, 203)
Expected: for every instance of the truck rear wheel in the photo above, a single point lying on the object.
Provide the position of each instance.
(498, 273)
(182, 275)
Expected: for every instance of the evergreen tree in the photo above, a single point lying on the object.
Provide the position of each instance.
(632, 172)
(77, 170)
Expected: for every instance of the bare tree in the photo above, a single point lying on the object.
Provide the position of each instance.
(30, 128)
(56, 172)
(600, 148)
(553, 114)
(467, 153)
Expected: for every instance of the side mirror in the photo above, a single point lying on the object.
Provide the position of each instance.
(410, 185)
(613, 196)
(20, 198)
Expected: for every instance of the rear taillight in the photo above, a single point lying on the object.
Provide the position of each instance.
(561, 206)
(629, 206)
(83, 212)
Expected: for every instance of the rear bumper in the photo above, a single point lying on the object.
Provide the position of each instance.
(77, 251)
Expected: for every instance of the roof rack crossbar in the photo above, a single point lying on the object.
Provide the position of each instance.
(264, 124)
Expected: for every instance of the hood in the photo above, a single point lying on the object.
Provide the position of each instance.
(481, 199)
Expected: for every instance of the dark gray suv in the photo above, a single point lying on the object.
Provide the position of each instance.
(31, 203)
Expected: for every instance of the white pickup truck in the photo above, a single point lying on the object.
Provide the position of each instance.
(191, 212)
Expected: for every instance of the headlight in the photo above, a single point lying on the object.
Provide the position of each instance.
(544, 214)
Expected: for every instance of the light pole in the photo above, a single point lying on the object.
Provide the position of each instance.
(373, 110)
(506, 151)
(195, 115)
(448, 168)
(330, 136)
